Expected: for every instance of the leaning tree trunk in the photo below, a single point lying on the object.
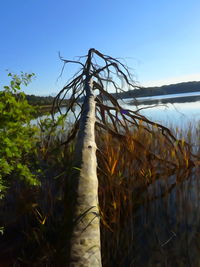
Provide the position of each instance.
(84, 247)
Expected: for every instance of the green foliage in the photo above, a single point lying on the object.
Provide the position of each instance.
(17, 137)
(39, 100)
(42, 100)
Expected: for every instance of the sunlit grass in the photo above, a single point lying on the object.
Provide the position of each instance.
(147, 189)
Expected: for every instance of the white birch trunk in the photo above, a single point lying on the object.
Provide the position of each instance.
(85, 239)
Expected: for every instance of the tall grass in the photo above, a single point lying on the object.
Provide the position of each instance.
(148, 201)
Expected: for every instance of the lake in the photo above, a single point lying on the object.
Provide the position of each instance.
(168, 96)
(176, 114)
(173, 115)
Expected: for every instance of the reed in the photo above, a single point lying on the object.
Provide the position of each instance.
(148, 198)
(148, 192)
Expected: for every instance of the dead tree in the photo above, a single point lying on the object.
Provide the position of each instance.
(82, 214)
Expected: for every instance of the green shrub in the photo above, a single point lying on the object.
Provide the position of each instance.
(17, 136)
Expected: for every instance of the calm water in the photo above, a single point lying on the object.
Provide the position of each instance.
(176, 114)
(169, 96)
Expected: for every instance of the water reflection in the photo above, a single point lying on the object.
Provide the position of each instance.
(177, 114)
(168, 223)
(174, 115)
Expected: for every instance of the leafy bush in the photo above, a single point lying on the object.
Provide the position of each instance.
(17, 136)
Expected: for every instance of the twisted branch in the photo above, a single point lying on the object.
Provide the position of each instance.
(111, 117)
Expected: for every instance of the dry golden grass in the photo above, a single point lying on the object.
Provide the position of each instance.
(148, 198)
(136, 174)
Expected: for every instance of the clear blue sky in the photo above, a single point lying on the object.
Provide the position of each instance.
(160, 39)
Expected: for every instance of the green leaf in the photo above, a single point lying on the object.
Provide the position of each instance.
(1, 230)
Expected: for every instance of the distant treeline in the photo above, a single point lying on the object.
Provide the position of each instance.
(41, 100)
(178, 88)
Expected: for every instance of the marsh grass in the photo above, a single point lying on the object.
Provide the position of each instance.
(148, 201)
